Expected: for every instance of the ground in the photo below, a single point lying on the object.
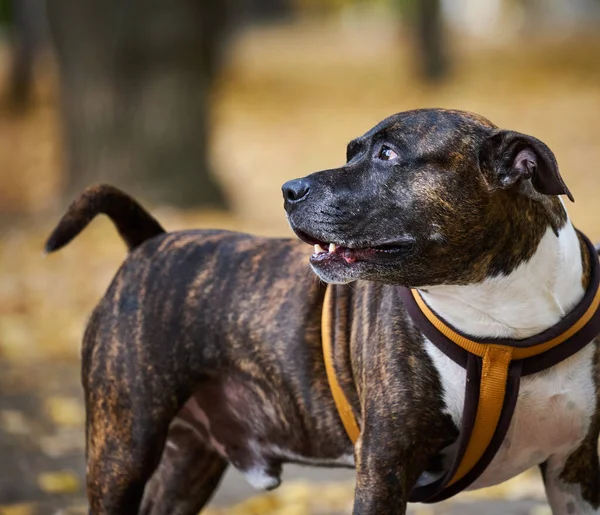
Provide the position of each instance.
(275, 118)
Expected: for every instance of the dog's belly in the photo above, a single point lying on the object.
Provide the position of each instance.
(552, 415)
(253, 434)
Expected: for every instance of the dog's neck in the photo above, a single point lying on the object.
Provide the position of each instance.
(532, 298)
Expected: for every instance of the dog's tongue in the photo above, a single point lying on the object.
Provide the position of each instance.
(349, 255)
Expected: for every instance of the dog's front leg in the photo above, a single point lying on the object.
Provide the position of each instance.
(387, 468)
(382, 485)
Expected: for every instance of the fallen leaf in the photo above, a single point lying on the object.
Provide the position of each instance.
(61, 482)
(17, 509)
(65, 411)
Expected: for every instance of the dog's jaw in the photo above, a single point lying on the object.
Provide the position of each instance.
(341, 261)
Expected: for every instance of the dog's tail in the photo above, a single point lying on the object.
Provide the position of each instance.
(134, 223)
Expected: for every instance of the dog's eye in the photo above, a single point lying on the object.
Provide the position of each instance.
(387, 154)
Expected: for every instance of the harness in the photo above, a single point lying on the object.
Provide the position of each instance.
(494, 368)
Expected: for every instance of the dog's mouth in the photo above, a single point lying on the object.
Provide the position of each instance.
(329, 251)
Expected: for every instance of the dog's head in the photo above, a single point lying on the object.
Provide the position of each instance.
(430, 196)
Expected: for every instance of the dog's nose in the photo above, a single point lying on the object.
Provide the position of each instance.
(295, 190)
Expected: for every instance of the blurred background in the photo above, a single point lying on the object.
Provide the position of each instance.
(202, 109)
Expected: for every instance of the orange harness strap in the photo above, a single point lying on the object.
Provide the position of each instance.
(491, 400)
(339, 397)
(519, 352)
(494, 407)
(496, 360)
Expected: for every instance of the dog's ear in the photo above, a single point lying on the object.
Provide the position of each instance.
(507, 158)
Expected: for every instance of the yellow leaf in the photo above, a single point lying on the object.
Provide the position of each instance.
(540, 510)
(59, 482)
(299, 508)
(296, 492)
(17, 509)
(260, 505)
(65, 411)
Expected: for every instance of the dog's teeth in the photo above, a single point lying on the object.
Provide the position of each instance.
(319, 249)
(332, 247)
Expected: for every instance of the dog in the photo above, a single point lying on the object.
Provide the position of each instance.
(206, 349)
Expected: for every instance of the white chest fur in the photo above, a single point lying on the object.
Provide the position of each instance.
(551, 418)
(554, 407)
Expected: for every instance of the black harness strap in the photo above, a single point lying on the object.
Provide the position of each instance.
(441, 489)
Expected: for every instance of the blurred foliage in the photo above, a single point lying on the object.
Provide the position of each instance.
(5, 12)
(336, 6)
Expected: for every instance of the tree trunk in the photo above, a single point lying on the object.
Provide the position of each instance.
(26, 37)
(136, 79)
(430, 40)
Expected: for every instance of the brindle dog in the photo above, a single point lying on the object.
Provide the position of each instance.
(206, 349)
